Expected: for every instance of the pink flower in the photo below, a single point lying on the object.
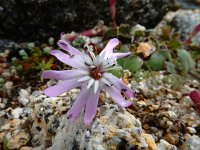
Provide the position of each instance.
(90, 73)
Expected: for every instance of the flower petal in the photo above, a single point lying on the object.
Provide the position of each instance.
(73, 61)
(90, 83)
(96, 86)
(121, 55)
(84, 78)
(109, 47)
(65, 46)
(64, 74)
(79, 103)
(91, 106)
(61, 87)
(118, 84)
(116, 95)
(64, 58)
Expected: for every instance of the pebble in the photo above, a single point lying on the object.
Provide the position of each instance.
(15, 114)
(150, 141)
(191, 130)
(2, 105)
(24, 101)
(164, 145)
(8, 87)
(192, 143)
(24, 93)
(26, 148)
(172, 138)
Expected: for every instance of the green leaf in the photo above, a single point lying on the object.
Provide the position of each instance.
(171, 68)
(174, 44)
(111, 32)
(166, 54)
(196, 54)
(124, 29)
(185, 61)
(116, 72)
(133, 64)
(156, 62)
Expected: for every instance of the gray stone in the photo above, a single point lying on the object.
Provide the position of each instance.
(38, 19)
(189, 4)
(192, 143)
(184, 22)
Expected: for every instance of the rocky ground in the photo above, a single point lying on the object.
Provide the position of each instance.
(163, 116)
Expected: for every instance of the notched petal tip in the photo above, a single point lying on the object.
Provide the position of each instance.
(62, 43)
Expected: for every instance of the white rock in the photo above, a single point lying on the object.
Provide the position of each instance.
(191, 130)
(193, 143)
(24, 101)
(16, 113)
(164, 145)
(8, 87)
(23, 93)
(2, 105)
(112, 126)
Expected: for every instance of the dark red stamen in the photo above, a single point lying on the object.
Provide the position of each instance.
(96, 73)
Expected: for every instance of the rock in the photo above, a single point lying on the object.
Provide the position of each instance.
(184, 22)
(191, 130)
(15, 114)
(8, 87)
(150, 141)
(3, 42)
(26, 148)
(113, 128)
(39, 19)
(188, 4)
(172, 138)
(24, 96)
(15, 123)
(164, 145)
(192, 143)
(24, 93)
(18, 139)
(24, 101)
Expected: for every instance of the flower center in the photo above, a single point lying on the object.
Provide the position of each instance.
(95, 73)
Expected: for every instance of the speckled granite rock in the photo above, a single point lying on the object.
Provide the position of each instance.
(112, 129)
(36, 19)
